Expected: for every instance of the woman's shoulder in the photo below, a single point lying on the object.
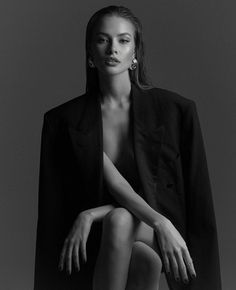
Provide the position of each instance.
(171, 102)
(67, 111)
(170, 97)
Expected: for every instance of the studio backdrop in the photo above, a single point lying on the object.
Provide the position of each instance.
(190, 49)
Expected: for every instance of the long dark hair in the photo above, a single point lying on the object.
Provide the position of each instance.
(137, 76)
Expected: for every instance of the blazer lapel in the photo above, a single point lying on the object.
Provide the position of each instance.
(148, 132)
(87, 142)
(148, 138)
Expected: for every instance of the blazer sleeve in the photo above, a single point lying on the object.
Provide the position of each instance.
(48, 222)
(202, 238)
(49, 175)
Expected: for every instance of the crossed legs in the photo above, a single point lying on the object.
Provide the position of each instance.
(128, 258)
(145, 268)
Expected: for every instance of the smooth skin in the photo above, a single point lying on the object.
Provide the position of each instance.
(139, 224)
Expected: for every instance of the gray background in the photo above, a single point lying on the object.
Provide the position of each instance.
(190, 48)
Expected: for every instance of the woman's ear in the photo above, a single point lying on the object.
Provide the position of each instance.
(90, 52)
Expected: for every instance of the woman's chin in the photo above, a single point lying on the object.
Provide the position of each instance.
(111, 71)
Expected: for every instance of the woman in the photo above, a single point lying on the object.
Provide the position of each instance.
(123, 177)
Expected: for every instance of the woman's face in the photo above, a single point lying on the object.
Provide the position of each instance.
(113, 37)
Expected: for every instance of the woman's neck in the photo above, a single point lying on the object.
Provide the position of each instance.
(115, 90)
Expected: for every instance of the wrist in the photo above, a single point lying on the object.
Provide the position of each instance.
(88, 215)
(160, 223)
(96, 214)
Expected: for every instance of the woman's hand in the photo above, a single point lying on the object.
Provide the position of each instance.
(174, 251)
(76, 242)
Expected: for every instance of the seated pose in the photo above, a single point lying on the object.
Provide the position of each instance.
(124, 190)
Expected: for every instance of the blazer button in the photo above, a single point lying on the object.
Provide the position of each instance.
(169, 185)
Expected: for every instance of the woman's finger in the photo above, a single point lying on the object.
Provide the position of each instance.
(83, 250)
(181, 266)
(69, 258)
(189, 263)
(174, 266)
(76, 257)
(62, 256)
(166, 263)
(163, 254)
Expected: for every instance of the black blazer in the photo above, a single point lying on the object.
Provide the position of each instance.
(172, 166)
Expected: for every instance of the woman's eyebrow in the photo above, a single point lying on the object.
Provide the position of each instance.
(120, 34)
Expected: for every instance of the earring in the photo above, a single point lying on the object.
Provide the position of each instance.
(134, 64)
(91, 64)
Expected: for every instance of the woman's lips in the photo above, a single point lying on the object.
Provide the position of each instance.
(111, 62)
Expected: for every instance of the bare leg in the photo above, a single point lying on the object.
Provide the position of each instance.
(145, 268)
(111, 270)
(120, 228)
(146, 265)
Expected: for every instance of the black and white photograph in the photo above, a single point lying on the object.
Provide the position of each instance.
(118, 145)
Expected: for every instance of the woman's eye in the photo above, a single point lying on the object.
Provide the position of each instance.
(124, 40)
(101, 40)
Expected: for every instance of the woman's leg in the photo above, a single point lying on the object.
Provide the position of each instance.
(120, 230)
(146, 265)
(111, 270)
(145, 268)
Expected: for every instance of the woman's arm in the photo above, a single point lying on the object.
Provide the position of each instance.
(98, 213)
(173, 247)
(121, 190)
(78, 236)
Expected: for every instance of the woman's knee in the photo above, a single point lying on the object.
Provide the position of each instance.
(145, 268)
(145, 258)
(119, 225)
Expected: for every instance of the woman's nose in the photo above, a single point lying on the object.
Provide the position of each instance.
(111, 48)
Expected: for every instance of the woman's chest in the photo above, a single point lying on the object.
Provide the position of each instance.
(116, 131)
